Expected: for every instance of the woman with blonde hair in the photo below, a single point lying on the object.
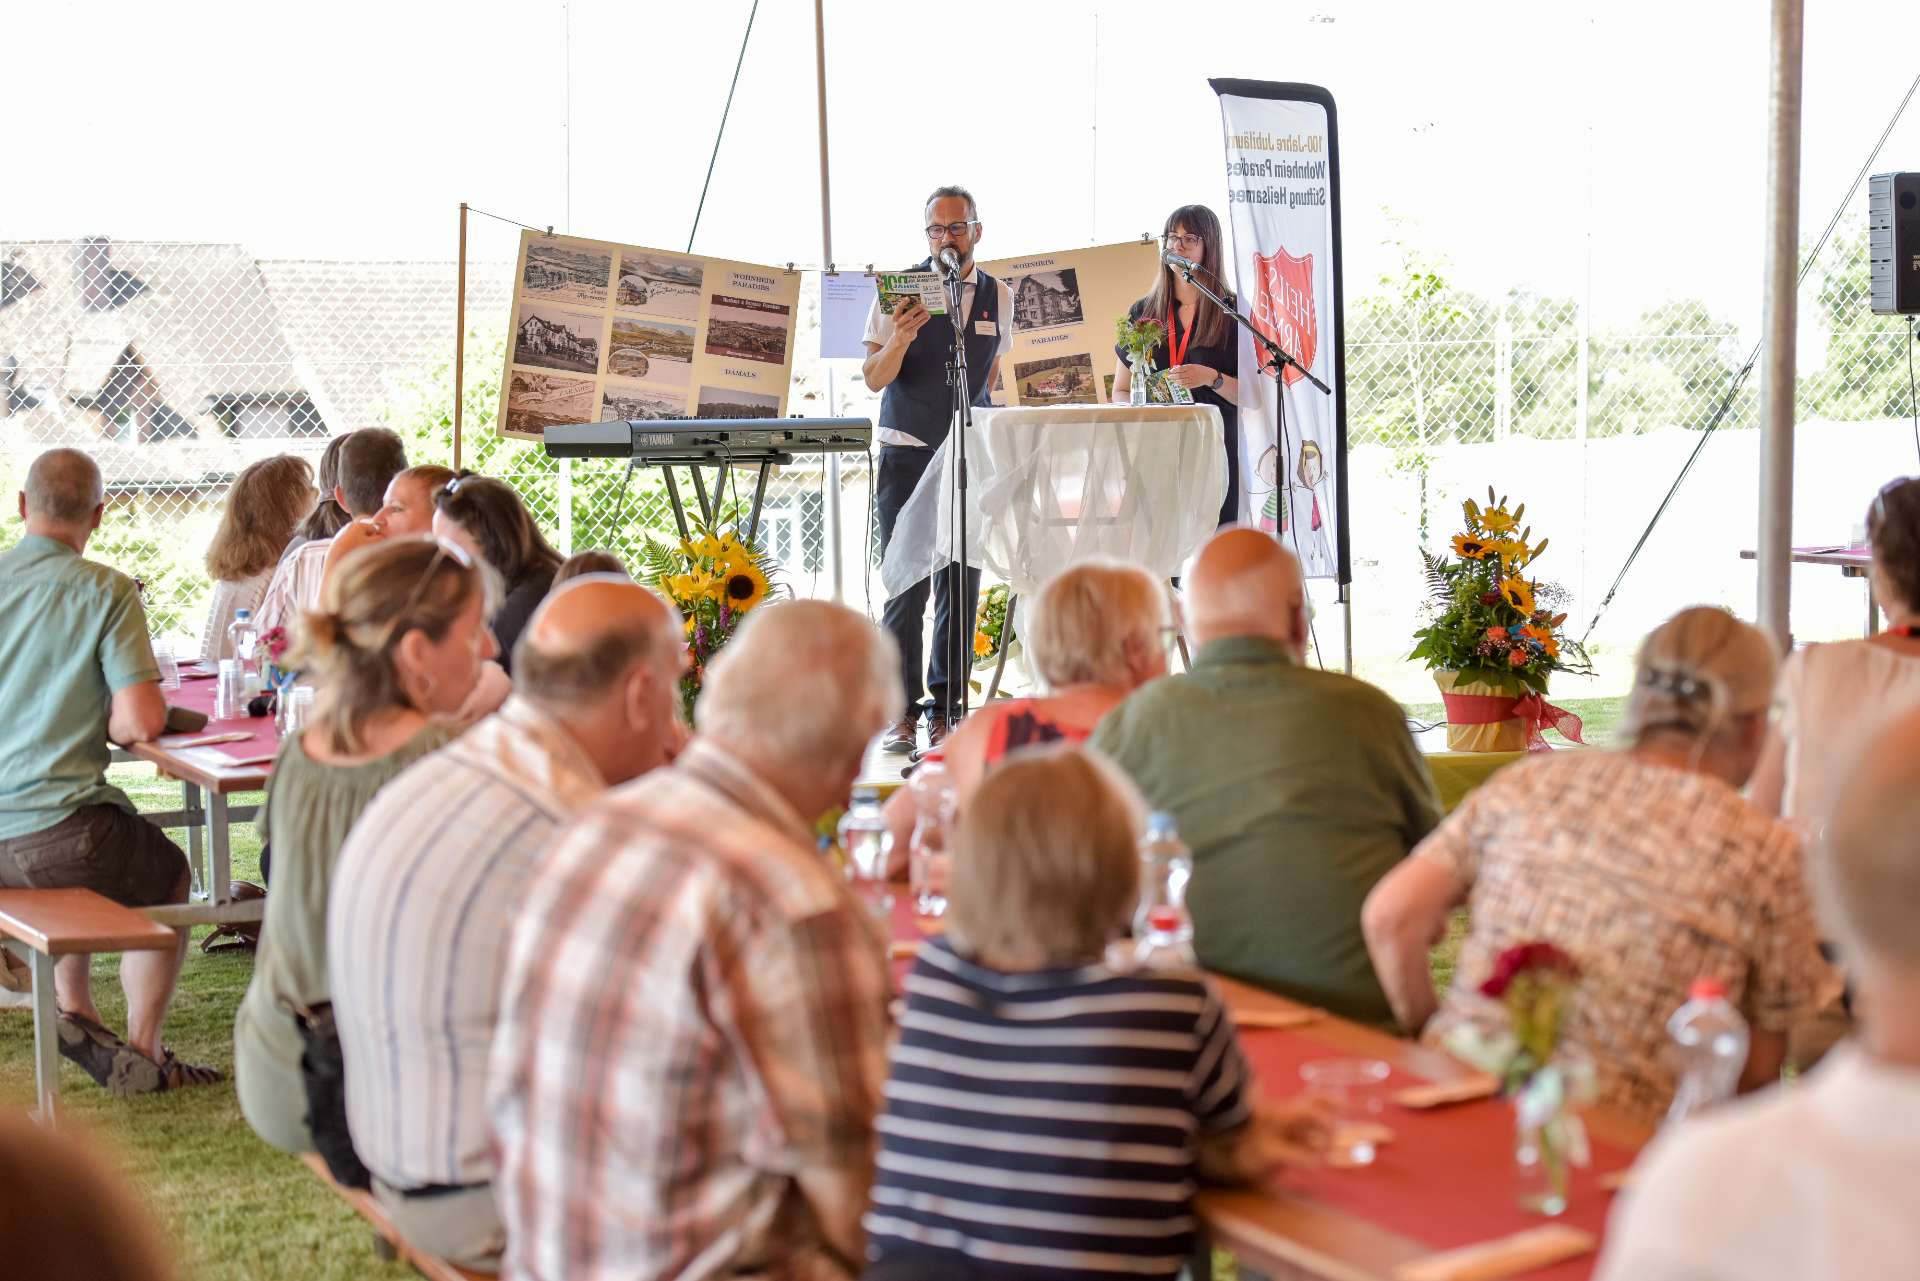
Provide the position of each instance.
(1832, 698)
(1645, 864)
(265, 505)
(1097, 631)
(1129, 1085)
(395, 649)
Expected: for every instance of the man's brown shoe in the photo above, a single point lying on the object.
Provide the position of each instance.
(902, 736)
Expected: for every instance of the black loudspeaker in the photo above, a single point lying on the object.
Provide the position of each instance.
(1893, 242)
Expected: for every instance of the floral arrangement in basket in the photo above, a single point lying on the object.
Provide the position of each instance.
(1534, 984)
(267, 653)
(990, 625)
(716, 580)
(1493, 638)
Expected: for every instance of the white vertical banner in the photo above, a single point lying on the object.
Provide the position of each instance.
(1283, 202)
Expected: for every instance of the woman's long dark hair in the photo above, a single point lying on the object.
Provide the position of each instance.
(492, 512)
(1210, 326)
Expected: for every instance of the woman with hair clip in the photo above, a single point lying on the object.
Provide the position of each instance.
(265, 505)
(395, 649)
(486, 517)
(1644, 864)
(1833, 698)
(1201, 350)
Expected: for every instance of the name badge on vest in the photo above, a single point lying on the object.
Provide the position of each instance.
(986, 329)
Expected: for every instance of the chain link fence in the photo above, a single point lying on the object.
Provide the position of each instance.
(176, 364)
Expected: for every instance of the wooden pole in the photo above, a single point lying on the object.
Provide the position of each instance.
(1779, 316)
(460, 340)
(837, 574)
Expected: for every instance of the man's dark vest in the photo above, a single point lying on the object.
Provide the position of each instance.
(918, 401)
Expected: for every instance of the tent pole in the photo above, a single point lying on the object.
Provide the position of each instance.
(1774, 547)
(832, 514)
(460, 338)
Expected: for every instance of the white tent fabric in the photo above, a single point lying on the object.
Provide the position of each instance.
(1050, 486)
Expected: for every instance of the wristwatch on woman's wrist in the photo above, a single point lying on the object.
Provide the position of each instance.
(1219, 377)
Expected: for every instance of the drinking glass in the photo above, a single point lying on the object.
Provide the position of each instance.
(229, 696)
(169, 666)
(934, 802)
(299, 709)
(1350, 1086)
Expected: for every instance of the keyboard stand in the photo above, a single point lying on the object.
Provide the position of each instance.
(693, 462)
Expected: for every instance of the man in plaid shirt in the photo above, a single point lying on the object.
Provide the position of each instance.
(693, 1036)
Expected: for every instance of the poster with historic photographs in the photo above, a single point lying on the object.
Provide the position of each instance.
(605, 331)
(1064, 307)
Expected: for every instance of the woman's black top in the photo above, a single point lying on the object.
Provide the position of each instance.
(1224, 357)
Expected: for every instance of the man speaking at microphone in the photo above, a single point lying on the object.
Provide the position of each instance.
(907, 357)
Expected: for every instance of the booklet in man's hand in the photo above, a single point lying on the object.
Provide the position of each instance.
(896, 286)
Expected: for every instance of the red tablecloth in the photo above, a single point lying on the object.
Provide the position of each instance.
(1447, 1179)
(198, 695)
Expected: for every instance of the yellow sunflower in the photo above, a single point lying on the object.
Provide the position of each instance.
(1519, 593)
(744, 587)
(1546, 638)
(1468, 547)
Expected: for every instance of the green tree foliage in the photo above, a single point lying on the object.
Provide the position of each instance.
(1864, 374)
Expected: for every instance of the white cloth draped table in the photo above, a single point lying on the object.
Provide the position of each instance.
(1051, 486)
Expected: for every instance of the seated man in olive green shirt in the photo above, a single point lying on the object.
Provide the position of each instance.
(1296, 788)
(79, 670)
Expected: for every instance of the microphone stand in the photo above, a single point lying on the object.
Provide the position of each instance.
(958, 633)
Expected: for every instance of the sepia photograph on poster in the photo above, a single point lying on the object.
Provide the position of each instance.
(557, 271)
(660, 285)
(651, 351)
(535, 401)
(1064, 308)
(650, 330)
(1057, 380)
(727, 402)
(748, 329)
(555, 339)
(635, 400)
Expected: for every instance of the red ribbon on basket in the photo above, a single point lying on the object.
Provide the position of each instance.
(1534, 709)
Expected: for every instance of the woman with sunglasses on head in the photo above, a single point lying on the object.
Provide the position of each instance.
(1834, 697)
(1201, 350)
(396, 647)
(486, 517)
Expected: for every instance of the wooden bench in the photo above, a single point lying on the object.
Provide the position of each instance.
(40, 925)
(427, 1265)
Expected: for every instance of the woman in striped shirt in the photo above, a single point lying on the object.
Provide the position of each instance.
(1048, 1114)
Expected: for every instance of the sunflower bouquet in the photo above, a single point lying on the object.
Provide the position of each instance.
(1493, 637)
(715, 580)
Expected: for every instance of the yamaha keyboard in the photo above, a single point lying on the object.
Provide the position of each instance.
(684, 441)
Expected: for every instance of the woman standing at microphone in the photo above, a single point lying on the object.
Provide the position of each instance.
(1201, 349)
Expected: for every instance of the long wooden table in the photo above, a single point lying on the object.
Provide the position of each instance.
(1288, 1234)
(208, 776)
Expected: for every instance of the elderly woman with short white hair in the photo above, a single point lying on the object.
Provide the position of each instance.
(1644, 864)
(1098, 630)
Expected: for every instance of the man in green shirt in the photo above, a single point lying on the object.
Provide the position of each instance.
(1296, 788)
(78, 670)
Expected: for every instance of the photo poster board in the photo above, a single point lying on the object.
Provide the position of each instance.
(602, 330)
(1064, 307)
(1283, 200)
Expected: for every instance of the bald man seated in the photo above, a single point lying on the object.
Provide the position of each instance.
(431, 876)
(78, 670)
(1296, 788)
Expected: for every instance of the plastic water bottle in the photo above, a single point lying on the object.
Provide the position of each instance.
(934, 802)
(1710, 1041)
(867, 843)
(242, 635)
(1162, 930)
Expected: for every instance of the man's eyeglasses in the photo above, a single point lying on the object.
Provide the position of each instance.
(1188, 244)
(950, 230)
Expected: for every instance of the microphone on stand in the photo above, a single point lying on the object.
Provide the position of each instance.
(949, 259)
(1185, 266)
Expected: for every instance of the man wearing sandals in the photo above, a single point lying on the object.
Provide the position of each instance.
(79, 670)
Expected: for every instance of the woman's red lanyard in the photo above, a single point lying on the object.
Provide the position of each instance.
(1911, 631)
(1177, 341)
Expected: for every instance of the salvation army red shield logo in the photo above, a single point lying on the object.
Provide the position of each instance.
(1283, 307)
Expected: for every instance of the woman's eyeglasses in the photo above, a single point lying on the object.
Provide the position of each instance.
(1187, 243)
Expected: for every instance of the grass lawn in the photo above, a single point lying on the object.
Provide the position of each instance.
(235, 1207)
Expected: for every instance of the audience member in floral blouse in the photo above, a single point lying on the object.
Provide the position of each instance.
(1645, 864)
